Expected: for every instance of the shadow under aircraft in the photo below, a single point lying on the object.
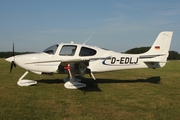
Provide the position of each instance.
(92, 85)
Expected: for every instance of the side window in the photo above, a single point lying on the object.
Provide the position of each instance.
(68, 50)
(87, 51)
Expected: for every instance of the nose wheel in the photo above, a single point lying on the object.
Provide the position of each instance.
(25, 82)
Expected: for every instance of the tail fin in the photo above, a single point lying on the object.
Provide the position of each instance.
(159, 51)
(162, 43)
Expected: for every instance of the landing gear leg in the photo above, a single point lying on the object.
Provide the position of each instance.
(25, 82)
(71, 81)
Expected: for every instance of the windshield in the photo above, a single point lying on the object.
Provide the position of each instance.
(51, 50)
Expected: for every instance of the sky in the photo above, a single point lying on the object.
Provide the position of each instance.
(119, 25)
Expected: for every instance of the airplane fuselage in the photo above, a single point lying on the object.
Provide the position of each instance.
(49, 60)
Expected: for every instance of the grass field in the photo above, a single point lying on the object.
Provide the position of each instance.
(121, 95)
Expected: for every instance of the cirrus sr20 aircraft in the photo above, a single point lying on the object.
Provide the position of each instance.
(80, 59)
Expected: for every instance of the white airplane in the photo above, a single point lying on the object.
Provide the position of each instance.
(80, 59)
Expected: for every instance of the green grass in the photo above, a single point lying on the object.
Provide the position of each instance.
(130, 94)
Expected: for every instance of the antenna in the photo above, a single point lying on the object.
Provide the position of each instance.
(87, 40)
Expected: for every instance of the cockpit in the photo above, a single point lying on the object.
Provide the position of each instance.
(70, 50)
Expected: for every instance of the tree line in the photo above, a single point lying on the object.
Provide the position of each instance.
(9, 54)
(173, 55)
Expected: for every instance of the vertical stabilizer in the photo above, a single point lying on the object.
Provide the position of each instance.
(159, 51)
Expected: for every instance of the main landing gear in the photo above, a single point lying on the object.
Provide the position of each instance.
(71, 82)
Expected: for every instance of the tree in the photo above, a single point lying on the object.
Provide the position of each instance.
(173, 55)
(138, 50)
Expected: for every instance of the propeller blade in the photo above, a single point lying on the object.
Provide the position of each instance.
(11, 67)
(13, 62)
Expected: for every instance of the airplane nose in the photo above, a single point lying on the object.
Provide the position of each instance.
(10, 59)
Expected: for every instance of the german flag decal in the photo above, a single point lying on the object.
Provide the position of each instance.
(157, 47)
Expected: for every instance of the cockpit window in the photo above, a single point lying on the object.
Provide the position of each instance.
(51, 50)
(87, 51)
(68, 50)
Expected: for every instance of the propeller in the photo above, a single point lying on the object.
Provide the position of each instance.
(13, 62)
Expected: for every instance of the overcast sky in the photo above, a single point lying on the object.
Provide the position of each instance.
(119, 25)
